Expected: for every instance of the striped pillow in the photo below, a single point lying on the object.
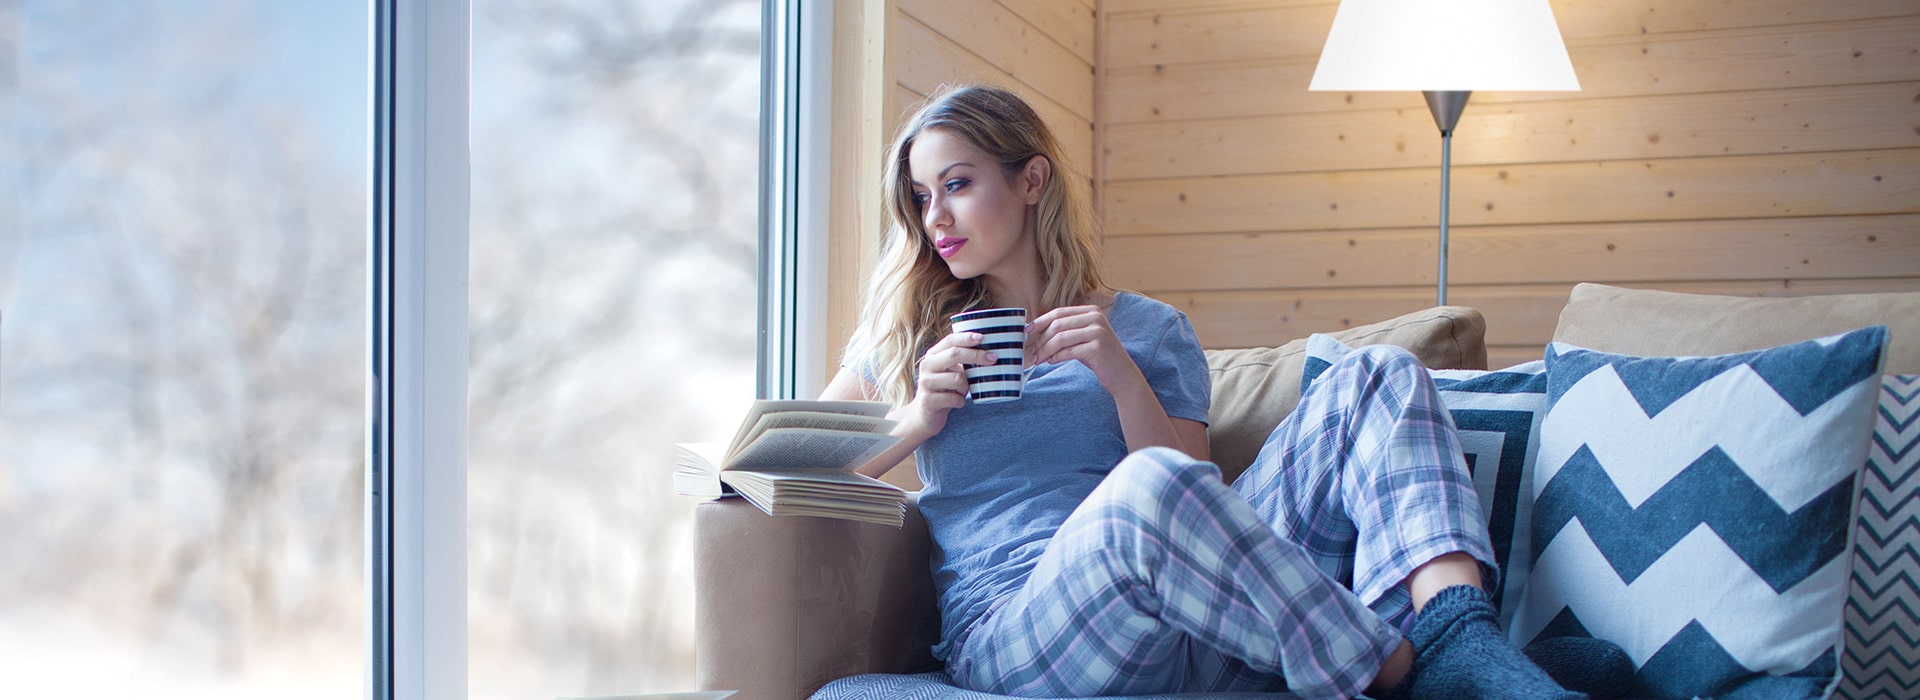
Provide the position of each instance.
(1882, 659)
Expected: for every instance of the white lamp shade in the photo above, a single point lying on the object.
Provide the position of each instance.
(1444, 45)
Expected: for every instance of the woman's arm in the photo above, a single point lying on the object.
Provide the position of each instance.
(941, 387)
(1193, 434)
(849, 385)
(1145, 422)
(1083, 333)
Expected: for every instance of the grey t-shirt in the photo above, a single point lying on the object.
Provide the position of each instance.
(1001, 478)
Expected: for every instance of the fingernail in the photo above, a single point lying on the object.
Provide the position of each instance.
(992, 357)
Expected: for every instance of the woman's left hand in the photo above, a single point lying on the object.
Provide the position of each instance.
(1082, 333)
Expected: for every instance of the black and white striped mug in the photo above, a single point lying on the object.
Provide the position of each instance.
(1004, 333)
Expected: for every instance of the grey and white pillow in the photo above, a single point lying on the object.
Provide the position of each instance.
(1697, 511)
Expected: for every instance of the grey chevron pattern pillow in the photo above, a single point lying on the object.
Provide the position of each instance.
(1882, 659)
(1697, 511)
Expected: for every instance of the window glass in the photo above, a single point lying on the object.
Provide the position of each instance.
(614, 208)
(182, 348)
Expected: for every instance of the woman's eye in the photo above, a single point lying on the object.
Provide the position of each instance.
(920, 199)
(956, 183)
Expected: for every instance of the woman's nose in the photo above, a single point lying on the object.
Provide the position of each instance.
(936, 213)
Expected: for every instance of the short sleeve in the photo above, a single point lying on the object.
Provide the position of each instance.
(1177, 371)
(861, 365)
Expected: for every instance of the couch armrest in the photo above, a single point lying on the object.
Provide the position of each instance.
(785, 605)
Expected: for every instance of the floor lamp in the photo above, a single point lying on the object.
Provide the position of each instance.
(1446, 50)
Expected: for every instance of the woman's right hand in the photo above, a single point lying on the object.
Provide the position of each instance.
(942, 386)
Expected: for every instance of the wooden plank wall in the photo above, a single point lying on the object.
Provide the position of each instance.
(1765, 147)
(862, 123)
(1043, 49)
(890, 54)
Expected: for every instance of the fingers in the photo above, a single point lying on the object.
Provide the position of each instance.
(1056, 334)
(943, 378)
(954, 352)
(1063, 314)
(1070, 344)
(1067, 311)
(942, 391)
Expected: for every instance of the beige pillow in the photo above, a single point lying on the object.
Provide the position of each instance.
(1665, 324)
(1254, 388)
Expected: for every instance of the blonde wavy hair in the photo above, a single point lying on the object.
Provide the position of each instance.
(912, 293)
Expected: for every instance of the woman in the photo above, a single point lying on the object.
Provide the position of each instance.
(1083, 544)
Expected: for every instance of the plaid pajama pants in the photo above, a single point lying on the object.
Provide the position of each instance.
(1166, 580)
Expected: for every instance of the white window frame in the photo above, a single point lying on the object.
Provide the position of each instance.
(417, 310)
(419, 56)
(796, 131)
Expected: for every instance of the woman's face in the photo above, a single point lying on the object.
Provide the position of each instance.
(975, 215)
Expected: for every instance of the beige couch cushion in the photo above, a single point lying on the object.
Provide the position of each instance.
(1656, 324)
(1253, 388)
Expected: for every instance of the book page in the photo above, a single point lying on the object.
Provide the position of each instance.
(774, 493)
(762, 407)
(701, 456)
(697, 469)
(810, 449)
(815, 419)
(852, 486)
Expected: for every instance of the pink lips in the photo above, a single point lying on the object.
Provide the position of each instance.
(949, 245)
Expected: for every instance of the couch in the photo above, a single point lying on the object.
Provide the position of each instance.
(786, 606)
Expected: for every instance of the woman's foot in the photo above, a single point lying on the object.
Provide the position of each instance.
(1594, 666)
(1460, 653)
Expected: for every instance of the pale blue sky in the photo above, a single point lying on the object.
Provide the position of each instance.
(310, 56)
(321, 45)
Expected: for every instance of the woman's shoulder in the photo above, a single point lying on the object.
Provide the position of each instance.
(1136, 304)
(1160, 333)
(1146, 319)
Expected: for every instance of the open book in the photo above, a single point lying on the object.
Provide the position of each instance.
(797, 458)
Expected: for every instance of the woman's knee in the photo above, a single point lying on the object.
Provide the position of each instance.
(1152, 508)
(1385, 359)
(1374, 367)
(1143, 494)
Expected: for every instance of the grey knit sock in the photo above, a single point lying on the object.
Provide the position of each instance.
(1597, 667)
(1461, 654)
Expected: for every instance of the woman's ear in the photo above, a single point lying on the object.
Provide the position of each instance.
(1035, 176)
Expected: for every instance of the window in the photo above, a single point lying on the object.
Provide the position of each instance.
(613, 296)
(182, 349)
(184, 332)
